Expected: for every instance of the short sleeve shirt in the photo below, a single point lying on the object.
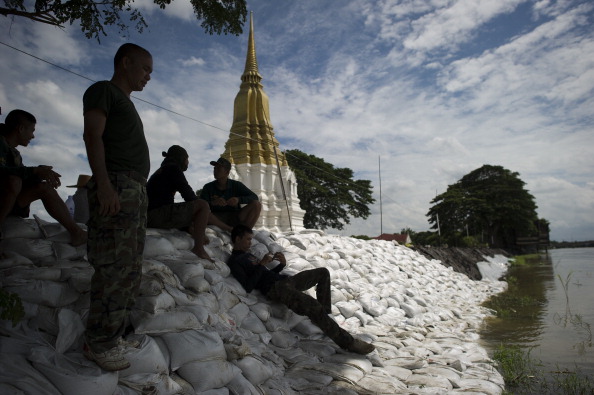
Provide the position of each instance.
(123, 138)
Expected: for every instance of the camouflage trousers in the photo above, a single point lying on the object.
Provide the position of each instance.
(114, 249)
(289, 292)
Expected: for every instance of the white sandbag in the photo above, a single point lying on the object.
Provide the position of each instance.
(373, 305)
(12, 259)
(29, 272)
(157, 246)
(190, 346)
(209, 301)
(17, 227)
(207, 375)
(66, 251)
(212, 277)
(185, 271)
(20, 374)
(70, 330)
(239, 312)
(179, 239)
(262, 310)
(253, 324)
(197, 284)
(147, 358)
(73, 373)
(308, 328)
(169, 321)
(31, 248)
(155, 304)
(254, 369)
(284, 339)
(80, 278)
(151, 383)
(273, 248)
(150, 286)
(46, 320)
(259, 250)
(276, 324)
(241, 386)
(347, 309)
(226, 298)
(47, 293)
(201, 313)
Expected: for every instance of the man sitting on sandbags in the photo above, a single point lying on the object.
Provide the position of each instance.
(253, 274)
(21, 185)
(164, 213)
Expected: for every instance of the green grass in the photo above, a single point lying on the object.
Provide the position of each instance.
(525, 375)
(523, 260)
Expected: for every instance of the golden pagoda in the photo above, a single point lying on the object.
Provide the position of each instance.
(254, 152)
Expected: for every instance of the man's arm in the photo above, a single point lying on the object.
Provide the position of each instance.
(95, 119)
(246, 273)
(242, 194)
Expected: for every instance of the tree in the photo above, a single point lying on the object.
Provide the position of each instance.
(218, 16)
(490, 203)
(328, 195)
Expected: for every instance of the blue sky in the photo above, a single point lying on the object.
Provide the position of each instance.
(433, 89)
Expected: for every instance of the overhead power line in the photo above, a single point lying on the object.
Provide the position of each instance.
(185, 116)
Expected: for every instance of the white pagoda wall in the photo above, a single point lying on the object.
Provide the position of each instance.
(264, 181)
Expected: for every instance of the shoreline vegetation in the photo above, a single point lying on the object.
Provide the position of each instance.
(522, 373)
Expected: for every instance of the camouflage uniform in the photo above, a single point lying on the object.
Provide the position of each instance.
(289, 292)
(115, 248)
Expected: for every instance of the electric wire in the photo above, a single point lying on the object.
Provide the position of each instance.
(348, 181)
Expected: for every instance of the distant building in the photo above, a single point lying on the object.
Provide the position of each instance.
(400, 238)
(254, 152)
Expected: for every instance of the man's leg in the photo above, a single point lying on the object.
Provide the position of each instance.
(216, 221)
(115, 248)
(249, 214)
(320, 278)
(55, 207)
(10, 187)
(284, 292)
(199, 220)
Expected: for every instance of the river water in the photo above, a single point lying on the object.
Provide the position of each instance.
(558, 330)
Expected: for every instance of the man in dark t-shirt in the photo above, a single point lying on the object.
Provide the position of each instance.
(21, 185)
(253, 274)
(226, 197)
(164, 213)
(119, 159)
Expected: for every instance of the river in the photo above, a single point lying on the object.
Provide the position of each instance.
(558, 329)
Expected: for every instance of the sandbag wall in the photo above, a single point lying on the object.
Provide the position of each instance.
(201, 333)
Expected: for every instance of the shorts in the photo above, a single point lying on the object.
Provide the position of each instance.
(231, 218)
(171, 216)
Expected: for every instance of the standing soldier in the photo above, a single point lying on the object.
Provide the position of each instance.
(119, 159)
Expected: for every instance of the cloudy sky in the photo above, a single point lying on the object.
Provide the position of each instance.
(430, 89)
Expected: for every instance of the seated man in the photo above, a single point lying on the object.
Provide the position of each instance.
(225, 197)
(252, 274)
(21, 185)
(164, 213)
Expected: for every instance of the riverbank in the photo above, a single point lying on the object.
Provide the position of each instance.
(462, 260)
(422, 317)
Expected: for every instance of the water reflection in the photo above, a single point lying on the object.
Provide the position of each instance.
(558, 328)
(528, 285)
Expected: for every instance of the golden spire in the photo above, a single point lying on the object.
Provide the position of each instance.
(252, 137)
(250, 73)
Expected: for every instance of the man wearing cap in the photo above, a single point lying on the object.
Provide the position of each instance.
(21, 185)
(163, 213)
(81, 202)
(225, 198)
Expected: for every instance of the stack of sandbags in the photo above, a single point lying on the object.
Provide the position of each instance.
(201, 333)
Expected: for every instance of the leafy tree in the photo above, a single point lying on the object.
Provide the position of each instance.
(490, 203)
(328, 194)
(218, 16)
